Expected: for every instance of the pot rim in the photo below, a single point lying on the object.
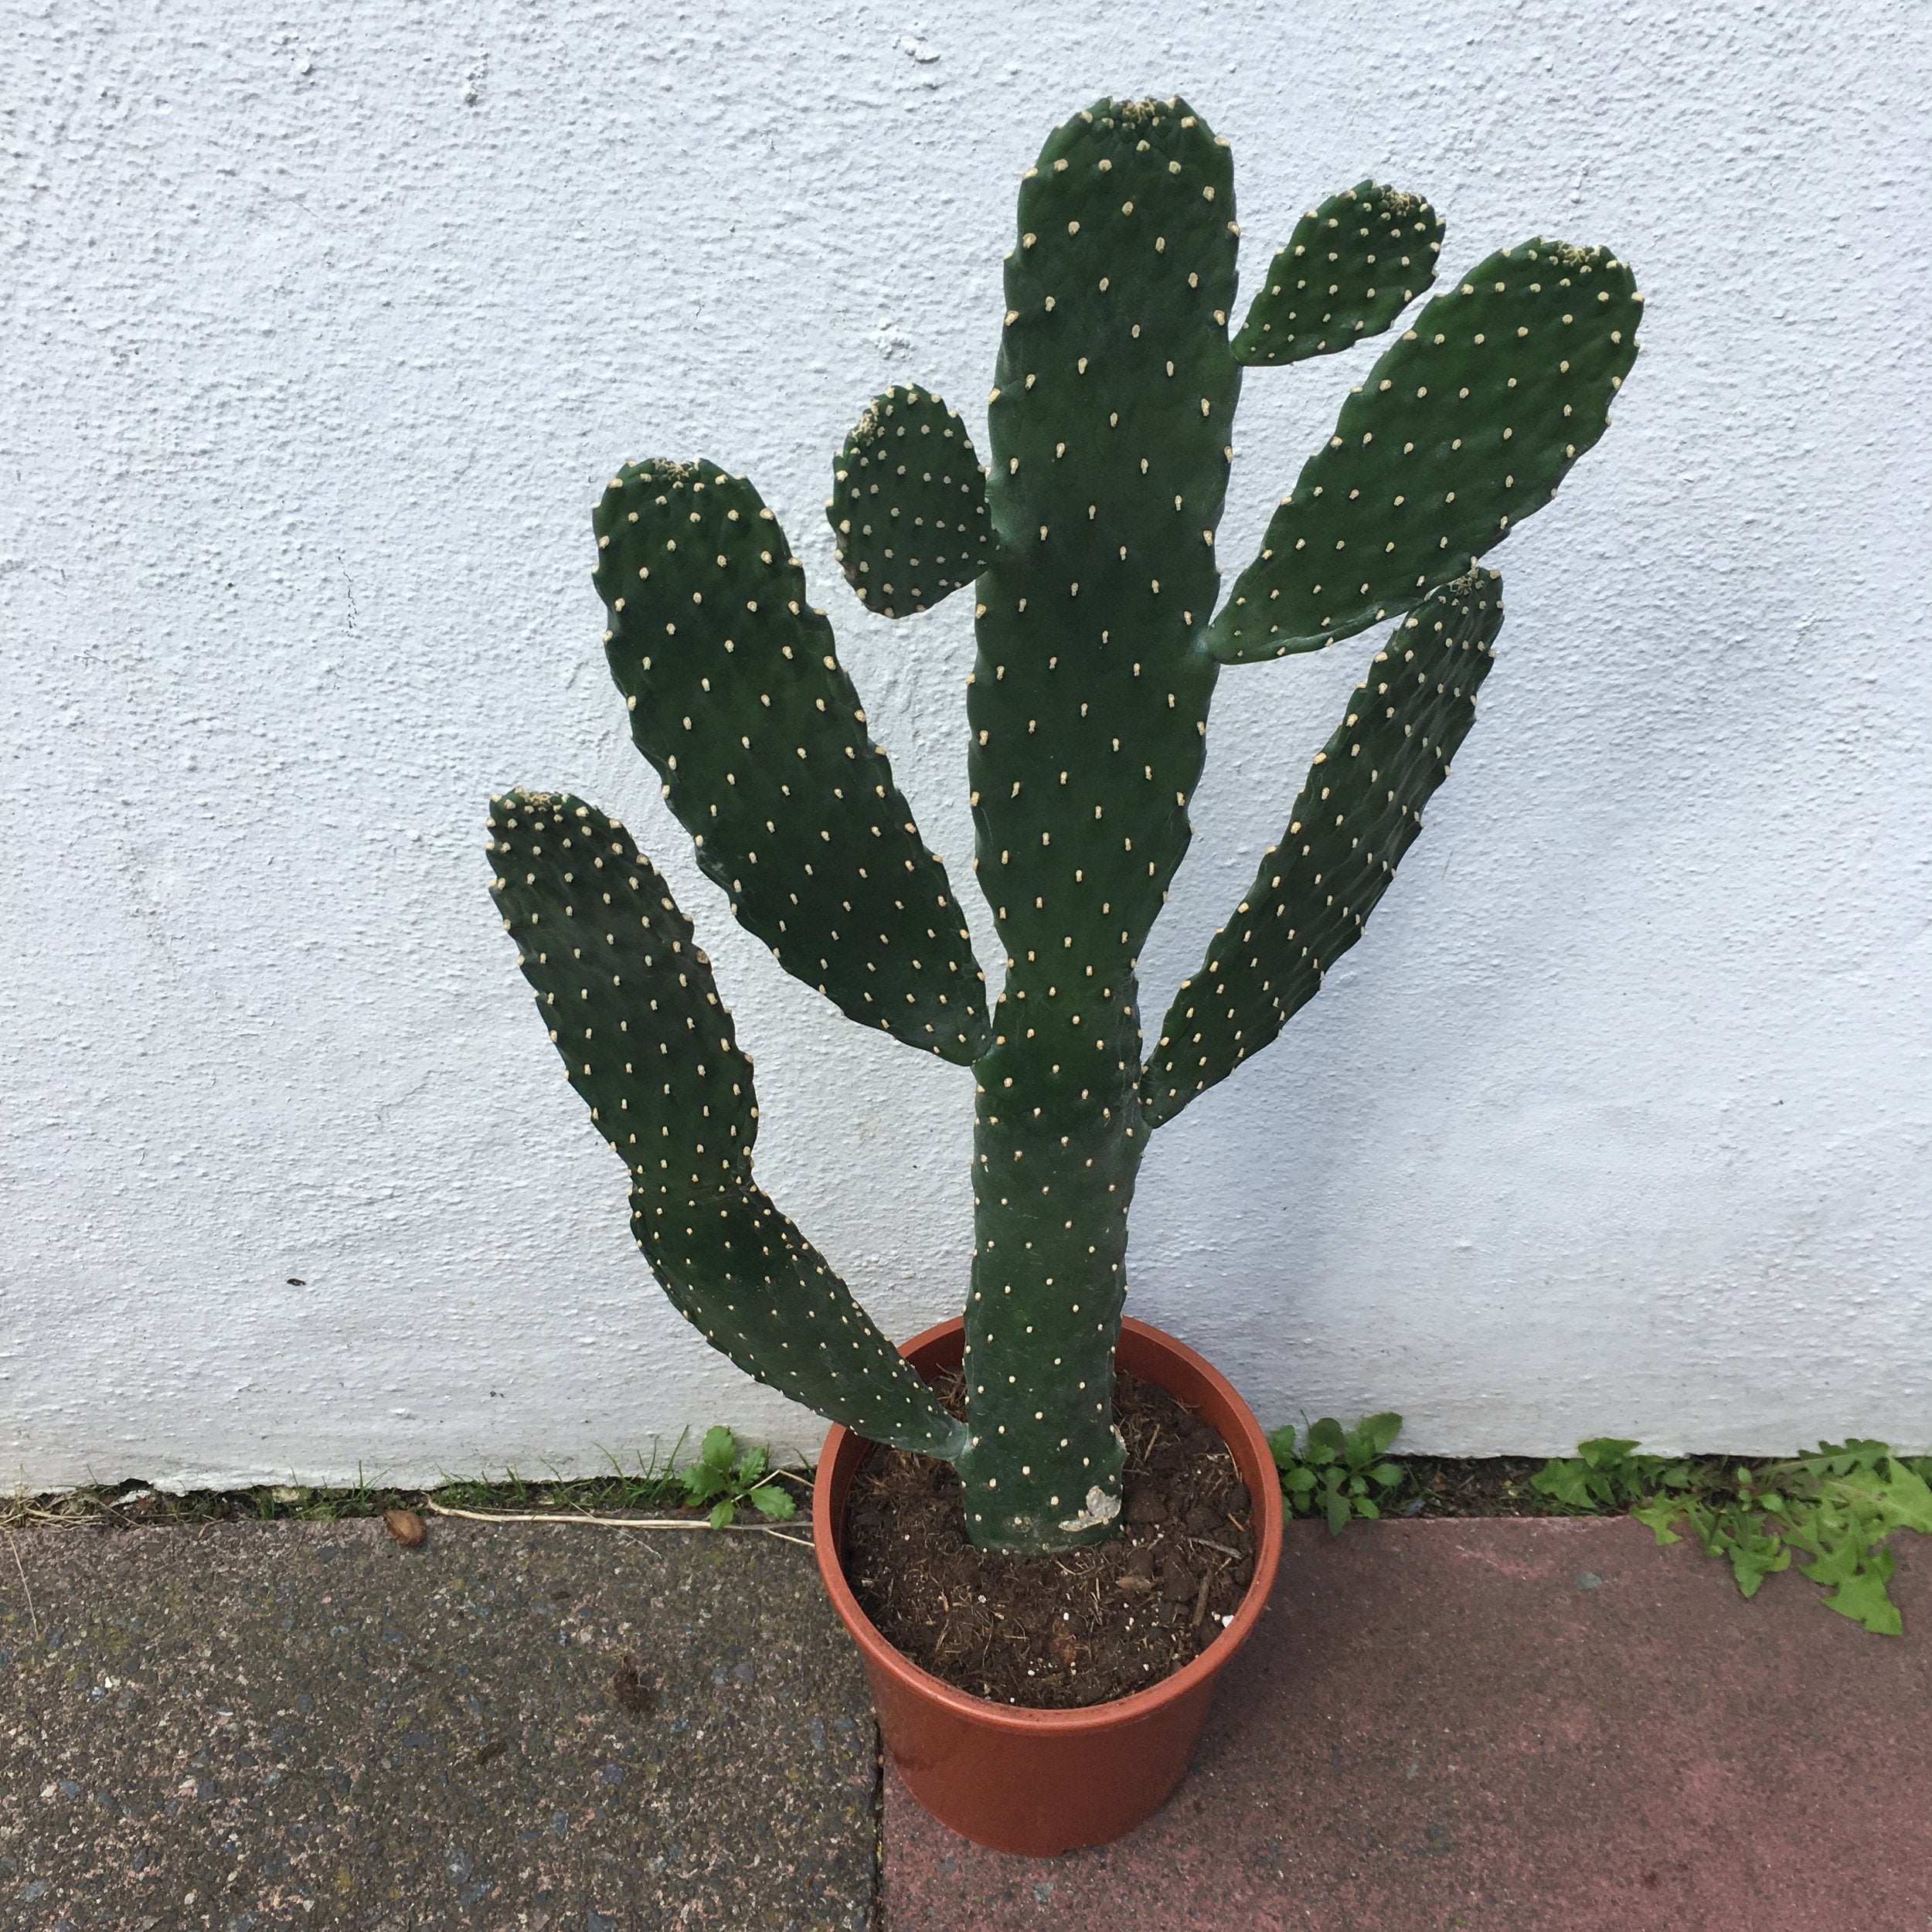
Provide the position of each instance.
(1020, 1718)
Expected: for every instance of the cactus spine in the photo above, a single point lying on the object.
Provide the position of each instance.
(1090, 549)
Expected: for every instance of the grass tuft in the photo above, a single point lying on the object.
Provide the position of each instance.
(657, 1487)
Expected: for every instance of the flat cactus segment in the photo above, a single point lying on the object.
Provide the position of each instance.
(1111, 426)
(737, 698)
(759, 1292)
(1350, 268)
(625, 990)
(627, 998)
(1111, 423)
(1360, 812)
(908, 504)
(1464, 426)
(1051, 1193)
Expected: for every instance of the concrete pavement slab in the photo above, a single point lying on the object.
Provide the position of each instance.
(550, 1729)
(1510, 1725)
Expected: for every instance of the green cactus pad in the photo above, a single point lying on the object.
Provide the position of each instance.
(628, 998)
(908, 504)
(625, 991)
(1350, 268)
(1358, 814)
(1465, 426)
(1111, 423)
(737, 698)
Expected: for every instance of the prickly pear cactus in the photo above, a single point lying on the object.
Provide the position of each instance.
(1359, 813)
(1465, 425)
(1088, 542)
(736, 696)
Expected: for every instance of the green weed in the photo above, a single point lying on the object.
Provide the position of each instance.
(1837, 1508)
(715, 1479)
(1832, 1513)
(650, 1487)
(1336, 1472)
(1604, 1474)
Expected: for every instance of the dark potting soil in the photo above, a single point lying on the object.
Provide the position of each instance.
(1078, 1627)
(1466, 1486)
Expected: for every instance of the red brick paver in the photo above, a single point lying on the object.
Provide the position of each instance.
(1511, 1726)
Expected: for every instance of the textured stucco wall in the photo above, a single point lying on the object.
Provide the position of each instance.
(319, 330)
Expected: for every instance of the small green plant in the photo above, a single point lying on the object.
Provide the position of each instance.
(1838, 1507)
(1604, 1474)
(1337, 1471)
(724, 1478)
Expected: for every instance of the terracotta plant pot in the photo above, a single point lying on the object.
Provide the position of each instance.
(1040, 1782)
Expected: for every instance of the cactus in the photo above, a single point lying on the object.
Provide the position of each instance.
(1090, 547)
(1359, 812)
(736, 696)
(1464, 426)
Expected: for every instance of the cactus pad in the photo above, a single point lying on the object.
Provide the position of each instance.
(1111, 422)
(626, 992)
(738, 697)
(908, 505)
(1465, 426)
(628, 999)
(1360, 812)
(1350, 268)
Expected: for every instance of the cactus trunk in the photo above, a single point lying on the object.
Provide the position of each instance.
(1111, 421)
(1051, 1189)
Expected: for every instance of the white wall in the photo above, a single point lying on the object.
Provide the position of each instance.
(322, 330)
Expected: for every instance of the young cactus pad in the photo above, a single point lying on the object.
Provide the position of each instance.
(1350, 268)
(909, 504)
(1089, 543)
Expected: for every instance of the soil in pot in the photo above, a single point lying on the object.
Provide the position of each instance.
(1079, 1626)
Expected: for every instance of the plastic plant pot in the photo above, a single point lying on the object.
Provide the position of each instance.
(1040, 1782)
